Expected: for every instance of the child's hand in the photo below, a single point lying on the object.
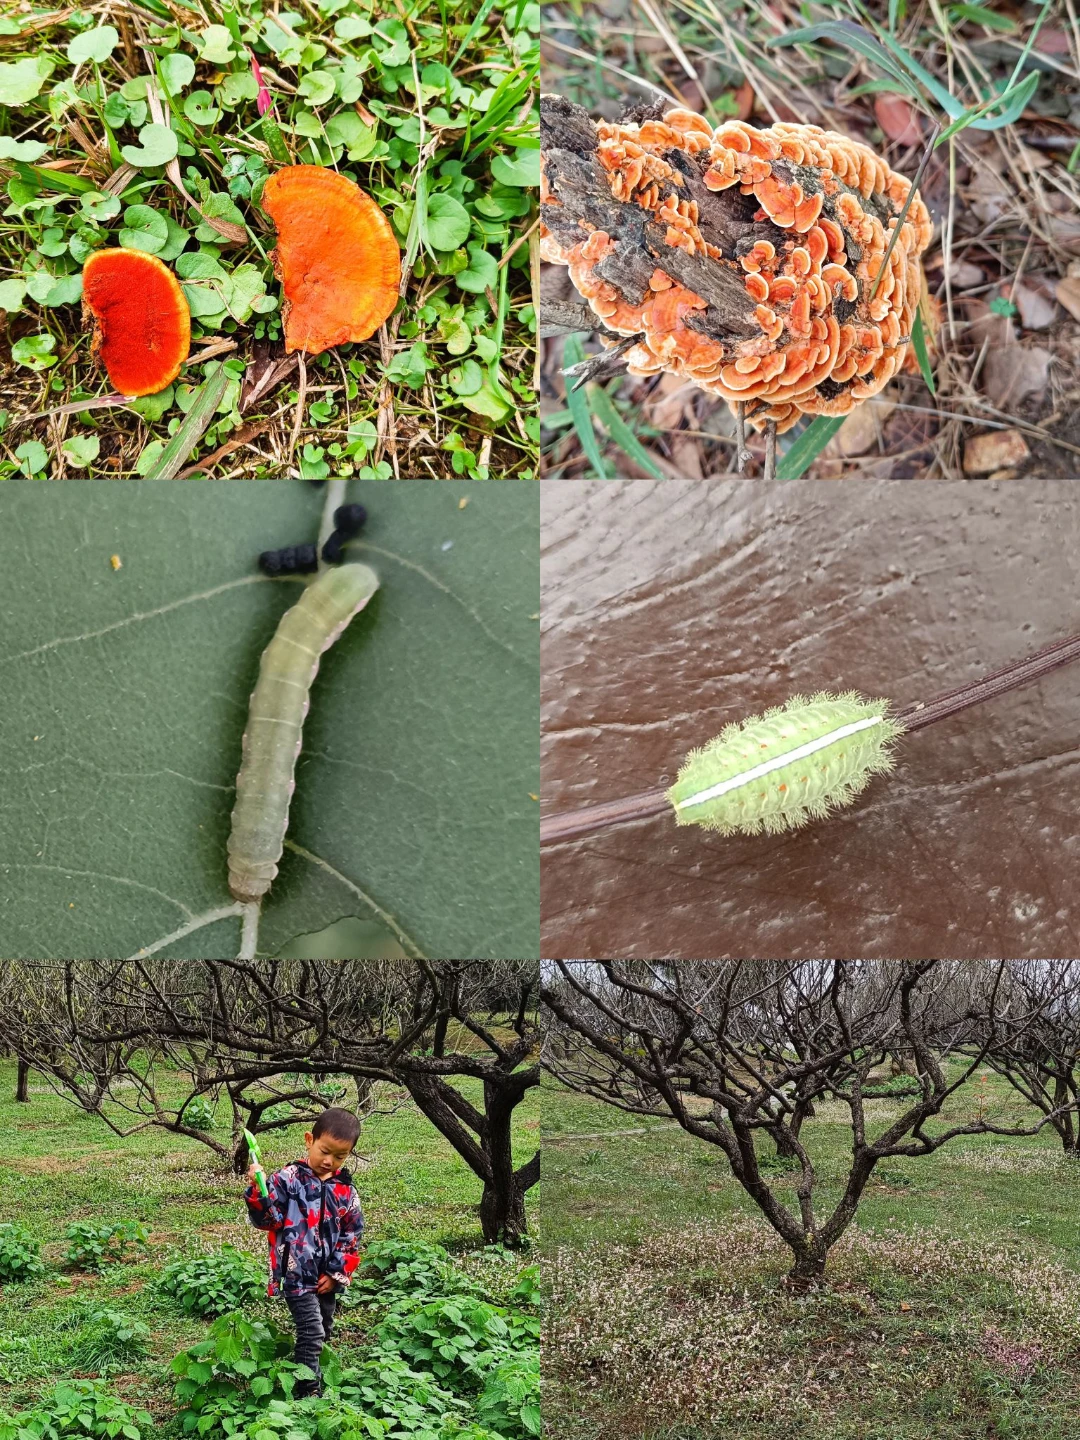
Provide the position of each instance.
(325, 1285)
(253, 1170)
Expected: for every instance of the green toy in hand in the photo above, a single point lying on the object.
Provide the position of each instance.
(256, 1160)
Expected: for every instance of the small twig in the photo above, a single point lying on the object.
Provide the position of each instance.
(742, 455)
(300, 398)
(770, 450)
(573, 823)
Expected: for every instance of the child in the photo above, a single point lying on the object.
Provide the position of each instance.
(315, 1222)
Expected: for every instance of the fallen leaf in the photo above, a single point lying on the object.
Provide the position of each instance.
(904, 1305)
(963, 275)
(1035, 301)
(1000, 449)
(1068, 291)
(897, 119)
(1014, 372)
(859, 432)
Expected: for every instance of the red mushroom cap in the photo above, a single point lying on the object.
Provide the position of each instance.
(142, 323)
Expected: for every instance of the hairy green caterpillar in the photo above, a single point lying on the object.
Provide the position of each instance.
(274, 734)
(792, 764)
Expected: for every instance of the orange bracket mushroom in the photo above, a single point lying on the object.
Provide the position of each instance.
(742, 259)
(142, 323)
(337, 257)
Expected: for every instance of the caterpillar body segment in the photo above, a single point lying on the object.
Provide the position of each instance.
(274, 734)
(779, 770)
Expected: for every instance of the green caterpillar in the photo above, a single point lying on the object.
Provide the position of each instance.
(279, 704)
(792, 764)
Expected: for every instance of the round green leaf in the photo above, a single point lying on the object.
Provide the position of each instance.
(482, 274)
(216, 48)
(318, 87)
(199, 108)
(263, 304)
(99, 206)
(158, 145)
(522, 169)
(178, 239)
(81, 450)
(178, 71)
(448, 222)
(93, 45)
(12, 295)
(32, 457)
(152, 407)
(21, 81)
(486, 402)
(65, 290)
(29, 150)
(349, 130)
(38, 284)
(144, 229)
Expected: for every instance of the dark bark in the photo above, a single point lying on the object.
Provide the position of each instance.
(22, 1093)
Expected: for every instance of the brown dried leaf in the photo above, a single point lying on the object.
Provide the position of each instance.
(897, 118)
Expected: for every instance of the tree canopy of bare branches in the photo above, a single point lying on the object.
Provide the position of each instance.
(740, 1051)
(266, 1033)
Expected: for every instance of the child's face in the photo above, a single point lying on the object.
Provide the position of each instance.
(326, 1154)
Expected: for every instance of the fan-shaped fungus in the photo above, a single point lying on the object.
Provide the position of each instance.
(337, 259)
(743, 258)
(142, 324)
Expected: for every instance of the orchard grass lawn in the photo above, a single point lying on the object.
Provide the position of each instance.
(59, 1165)
(952, 1310)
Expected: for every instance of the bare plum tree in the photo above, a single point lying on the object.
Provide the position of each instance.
(738, 1051)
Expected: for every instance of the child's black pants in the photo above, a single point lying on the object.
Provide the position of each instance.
(313, 1316)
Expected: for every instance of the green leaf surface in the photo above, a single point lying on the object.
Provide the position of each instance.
(21, 149)
(448, 222)
(522, 169)
(808, 446)
(22, 80)
(177, 71)
(127, 694)
(95, 44)
(157, 146)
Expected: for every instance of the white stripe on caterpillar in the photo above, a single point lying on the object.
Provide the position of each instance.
(279, 703)
(778, 762)
(792, 764)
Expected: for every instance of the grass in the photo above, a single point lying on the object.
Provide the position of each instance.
(139, 124)
(953, 1308)
(60, 1165)
(1001, 185)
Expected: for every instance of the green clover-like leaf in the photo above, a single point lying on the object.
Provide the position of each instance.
(200, 109)
(81, 450)
(32, 457)
(157, 146)
(29, 150)
(522, 169)
(98, 205)
(317, 87)
(216, 47)
(22, 80)
(12, 295)
(178, 71)
(144, 229)
(482, 274)
(95, 44)
(448, 222)
(349, 130)
(65, 290)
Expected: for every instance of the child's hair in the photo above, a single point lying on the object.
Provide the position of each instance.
(338, 1124)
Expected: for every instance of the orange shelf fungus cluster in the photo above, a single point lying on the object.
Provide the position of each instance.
(337, 257)
(803, 231)
(142, 323)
